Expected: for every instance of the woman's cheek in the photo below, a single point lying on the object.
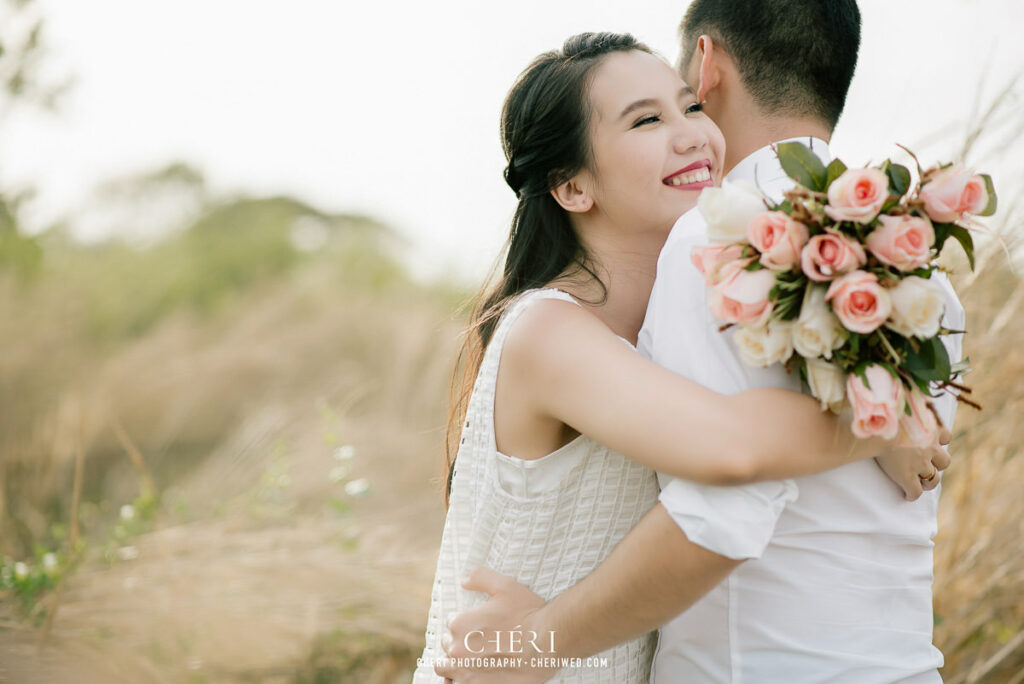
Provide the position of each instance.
(717, 144)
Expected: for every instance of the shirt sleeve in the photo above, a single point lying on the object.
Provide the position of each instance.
(680, 334)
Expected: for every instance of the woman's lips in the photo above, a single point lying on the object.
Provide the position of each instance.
(695, 176)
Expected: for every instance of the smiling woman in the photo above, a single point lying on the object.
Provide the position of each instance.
(607, 147)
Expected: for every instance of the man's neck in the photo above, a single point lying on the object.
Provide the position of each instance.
(747, 135)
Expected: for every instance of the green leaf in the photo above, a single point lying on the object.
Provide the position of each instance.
(965, 240)
(835, 169)
(941, 234)
(990, 208)
(930, 362)
(922, 385)
(899, 178)
(802, 165)
(861, 372)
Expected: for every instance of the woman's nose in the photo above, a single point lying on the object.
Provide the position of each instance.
(688, 136)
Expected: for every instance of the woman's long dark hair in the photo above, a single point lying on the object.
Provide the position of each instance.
(544, 132)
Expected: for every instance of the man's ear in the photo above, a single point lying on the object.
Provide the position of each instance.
(710, 56)
(573, 196)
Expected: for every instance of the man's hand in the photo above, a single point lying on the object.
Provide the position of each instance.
(501, 629)
(916, 470)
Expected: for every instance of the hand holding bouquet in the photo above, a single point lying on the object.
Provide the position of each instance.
(836, 282)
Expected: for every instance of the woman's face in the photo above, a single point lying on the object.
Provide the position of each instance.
(653, 150)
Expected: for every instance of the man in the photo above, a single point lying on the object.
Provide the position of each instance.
(841, 588)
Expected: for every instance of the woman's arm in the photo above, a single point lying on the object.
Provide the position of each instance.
(573, 369)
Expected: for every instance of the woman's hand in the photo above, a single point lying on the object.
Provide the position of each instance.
(916, 470)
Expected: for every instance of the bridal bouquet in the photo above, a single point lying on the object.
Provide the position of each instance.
(835, 282)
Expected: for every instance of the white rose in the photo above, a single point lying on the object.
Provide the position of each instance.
(763, 346)
(917, 306)
(729, 209)
(827, 382)
(818, 331)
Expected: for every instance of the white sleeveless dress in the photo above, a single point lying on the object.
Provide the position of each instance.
(546, 522)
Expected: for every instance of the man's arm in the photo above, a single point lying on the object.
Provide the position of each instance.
(653, 574)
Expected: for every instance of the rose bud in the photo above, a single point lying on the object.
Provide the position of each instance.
(857, 195)
(902, 241)
(861, 304)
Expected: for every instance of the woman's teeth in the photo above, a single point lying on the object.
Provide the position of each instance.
(701, 174)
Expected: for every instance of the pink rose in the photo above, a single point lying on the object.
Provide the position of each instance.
(857, 195)
(712, 260)
(778, 238)
(902, 241)
(919, 429)
(830, 255)
(952, 192)
(742, 297)
(876, 409)
(861, 304)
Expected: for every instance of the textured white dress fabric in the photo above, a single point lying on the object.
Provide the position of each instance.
(546, 522)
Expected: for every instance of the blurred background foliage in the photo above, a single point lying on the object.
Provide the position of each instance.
(220, 429)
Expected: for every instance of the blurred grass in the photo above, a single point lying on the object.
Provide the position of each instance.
(265, 364)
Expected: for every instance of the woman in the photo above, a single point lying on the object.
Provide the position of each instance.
(607, 147)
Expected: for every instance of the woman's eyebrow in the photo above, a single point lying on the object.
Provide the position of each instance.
(649, 101)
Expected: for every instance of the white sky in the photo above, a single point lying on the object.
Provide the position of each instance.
(391, 108)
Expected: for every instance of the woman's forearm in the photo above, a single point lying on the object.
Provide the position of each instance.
(788, 435)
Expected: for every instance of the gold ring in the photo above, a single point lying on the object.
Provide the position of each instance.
(935, 471)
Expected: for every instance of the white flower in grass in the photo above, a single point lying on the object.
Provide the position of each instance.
(339, 473)
(127, 512)
(345, 453)
(50, 563)
(20, 570)
(357, 487)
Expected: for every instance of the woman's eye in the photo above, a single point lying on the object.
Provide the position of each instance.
(654, 118)
(695, 107)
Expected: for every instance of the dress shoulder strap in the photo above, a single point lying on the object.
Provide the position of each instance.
(516, 308)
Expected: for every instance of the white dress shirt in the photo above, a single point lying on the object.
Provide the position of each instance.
(841, 588)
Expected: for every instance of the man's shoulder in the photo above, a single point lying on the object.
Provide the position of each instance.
(689, 229)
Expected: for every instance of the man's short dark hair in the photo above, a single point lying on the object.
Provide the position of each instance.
(795, 57)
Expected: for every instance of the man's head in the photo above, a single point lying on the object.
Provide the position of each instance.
(794, 58)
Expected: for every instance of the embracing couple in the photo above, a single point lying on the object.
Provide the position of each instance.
(620, 484)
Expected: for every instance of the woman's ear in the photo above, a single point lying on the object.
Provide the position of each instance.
(573, 196)
(710, 69)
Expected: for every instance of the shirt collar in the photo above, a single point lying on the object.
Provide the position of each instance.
(762, 166)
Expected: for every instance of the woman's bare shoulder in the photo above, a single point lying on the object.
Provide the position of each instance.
(550, 333)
